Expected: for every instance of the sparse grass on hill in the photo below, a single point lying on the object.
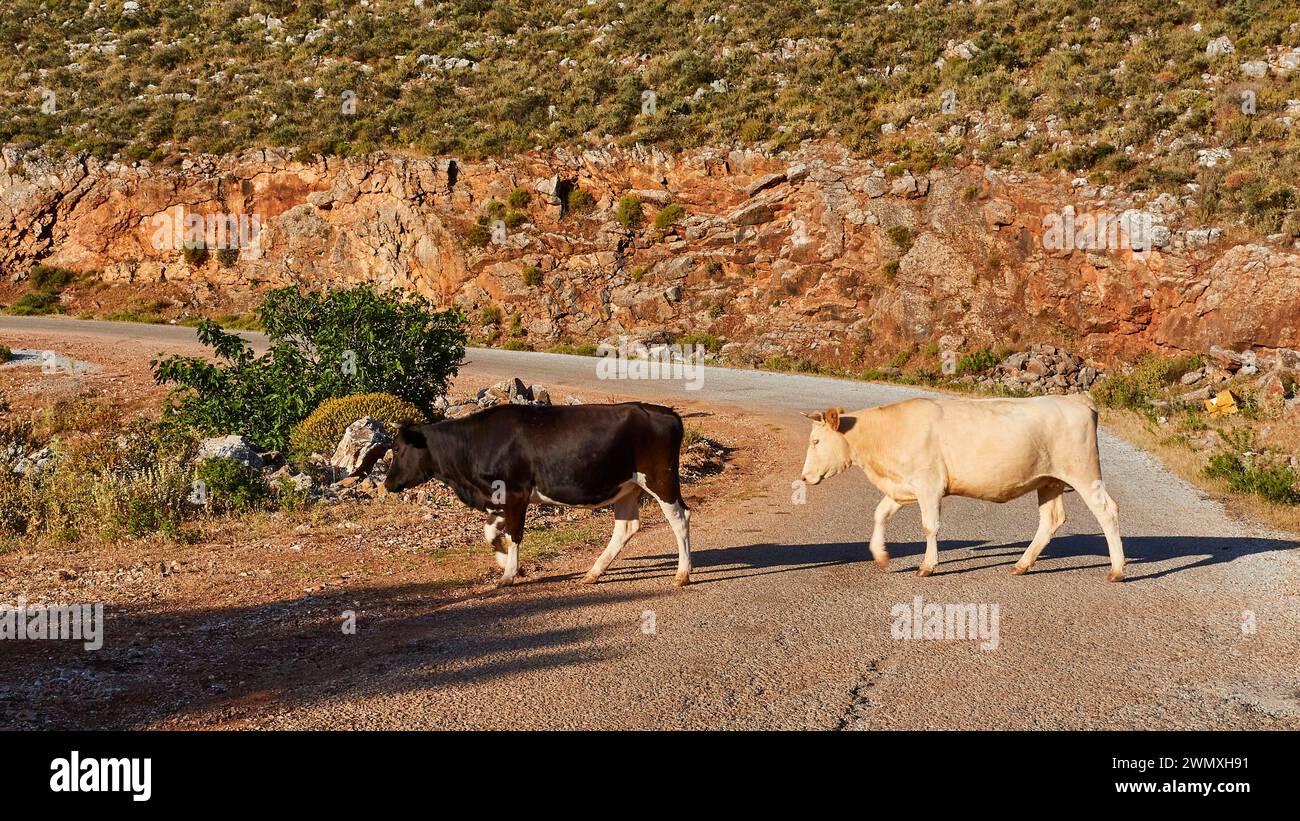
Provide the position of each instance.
(1117, 92)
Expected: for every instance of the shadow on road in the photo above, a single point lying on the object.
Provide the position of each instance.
(214, 663)
(219, 665)
(1202, 551)
(730, 563)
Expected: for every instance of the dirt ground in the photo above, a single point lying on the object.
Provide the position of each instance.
(281, 582)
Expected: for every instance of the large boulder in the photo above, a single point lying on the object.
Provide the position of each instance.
(362, 445)
(233, 446)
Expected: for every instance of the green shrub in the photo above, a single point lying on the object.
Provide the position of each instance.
(585, 349)
(1151, 375)
(36, 303)
(321, 431)
(227, 257)
(519, 198)
(890, 270)
(579, 202)
(1273, 482)
(669, 216)
(322, 345)
(532, 276)
(195, 255)
(478, 236)
(708, 342)
(629, 214)
(232, 486)
(50, 278)
(6, 353)
(978, 361)
(901, 236)
(489, 315)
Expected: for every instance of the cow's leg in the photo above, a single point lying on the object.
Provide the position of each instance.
(1094, 495)
(930, 524)
(627, 521)
(884, 511)
(679, 518)
(1051, 515)
(513, 522)
(664, 486)
(496, 537)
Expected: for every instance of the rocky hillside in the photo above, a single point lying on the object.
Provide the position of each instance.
(806, 253)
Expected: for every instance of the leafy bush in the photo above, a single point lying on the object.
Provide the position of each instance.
(489, 315)
(532, 276)
(321, 431)
(227, 257)
(50, 278)
(195, 255)
(519, 198)
(708, 342)
(669, 216)
(1152, 374)
(6, 353)
(232, 486)
(579, 202)
(629, 212)
(478, 236)
(901, 236)
(322, 345)
(1246, 473)
(978, 361)
(36, 303)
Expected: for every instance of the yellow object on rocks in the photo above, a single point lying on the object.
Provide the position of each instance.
(1223, 404)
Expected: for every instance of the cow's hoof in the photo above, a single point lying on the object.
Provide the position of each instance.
(506, 582)
(1019, 571)
(681, 579)
(882, 562)
(924, 571)
(1115, 576)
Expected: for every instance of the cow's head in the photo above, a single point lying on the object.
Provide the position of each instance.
(828, 448)
(412, 463)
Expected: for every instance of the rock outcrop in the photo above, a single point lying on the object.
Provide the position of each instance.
(809, 253)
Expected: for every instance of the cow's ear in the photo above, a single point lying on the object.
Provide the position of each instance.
(412, 435)
(816, 417)
(832, 418)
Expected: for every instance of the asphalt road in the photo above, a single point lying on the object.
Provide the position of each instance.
(787, 623)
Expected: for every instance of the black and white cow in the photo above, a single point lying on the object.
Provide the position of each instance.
(501, 459)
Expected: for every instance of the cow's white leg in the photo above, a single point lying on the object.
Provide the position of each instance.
(679, 517)
(627, 521)
(504, 532)
(510, 566)
(930, 524)
(496, 538)
(1051, 515)
(884, 511)
(1094, 495)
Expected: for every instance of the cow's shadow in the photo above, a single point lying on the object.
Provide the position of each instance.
(742, 561)
(956, 556)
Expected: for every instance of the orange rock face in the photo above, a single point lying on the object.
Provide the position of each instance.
(810, 253)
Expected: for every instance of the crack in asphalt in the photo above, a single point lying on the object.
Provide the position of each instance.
(861, 700)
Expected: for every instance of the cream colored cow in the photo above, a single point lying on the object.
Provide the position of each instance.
(992, 449)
